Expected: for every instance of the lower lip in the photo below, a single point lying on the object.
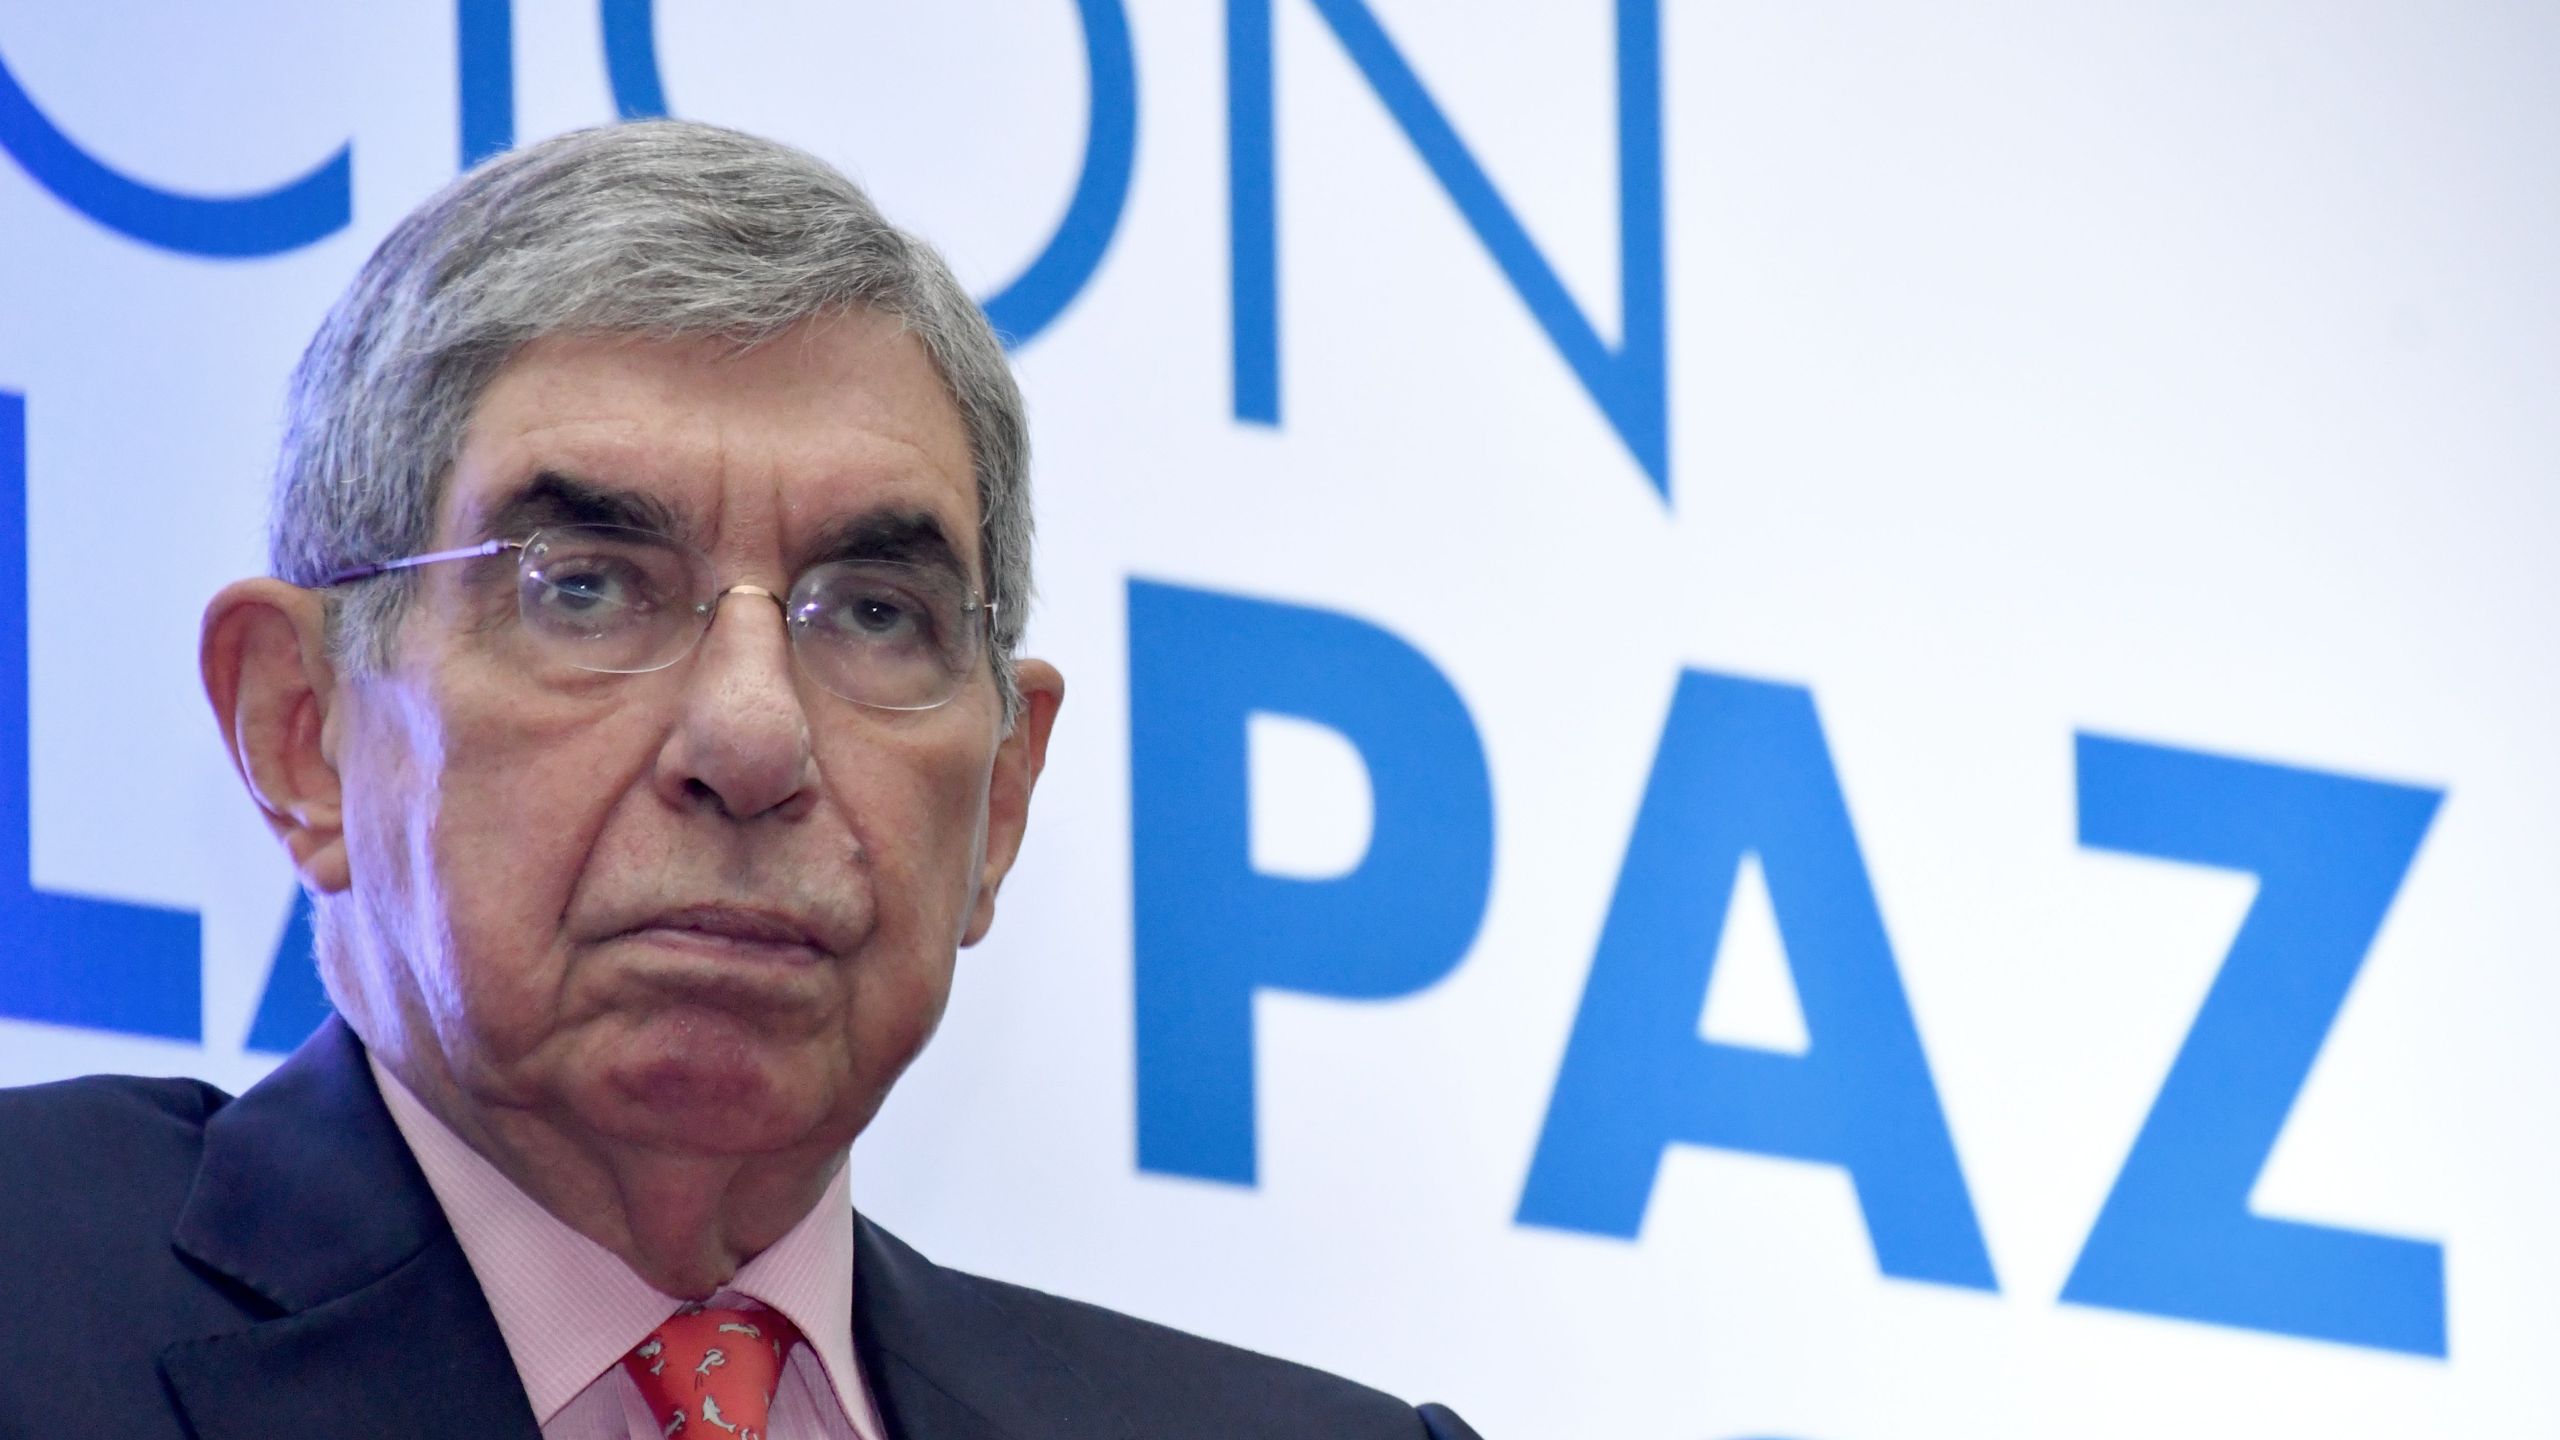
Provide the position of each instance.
(728, 947)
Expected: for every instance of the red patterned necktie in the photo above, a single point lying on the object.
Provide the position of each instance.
(707, 1371)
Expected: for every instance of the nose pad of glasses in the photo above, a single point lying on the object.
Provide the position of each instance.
(710, 609)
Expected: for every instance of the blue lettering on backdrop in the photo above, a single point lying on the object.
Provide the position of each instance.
(1037, 296)
(631, 58)
(485, 70)
(292, 215)
(1743, 769)
(294, 1003)
(67, 959)
(2176, 1236)
(1630, 384)
(1210, 929)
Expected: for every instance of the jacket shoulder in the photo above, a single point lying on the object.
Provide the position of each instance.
(109, 1114)
(1173, 1383)
(93, 1161)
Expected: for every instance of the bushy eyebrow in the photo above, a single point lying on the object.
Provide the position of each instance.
(905, 534)
(908, 536)
(551, 498)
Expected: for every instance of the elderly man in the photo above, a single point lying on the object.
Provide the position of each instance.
(637, 699)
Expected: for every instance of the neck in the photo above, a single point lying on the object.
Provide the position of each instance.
(684, 1222)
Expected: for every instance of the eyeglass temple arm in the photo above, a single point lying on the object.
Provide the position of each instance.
(385, 567)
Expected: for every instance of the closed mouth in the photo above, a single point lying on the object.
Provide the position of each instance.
(739, 927)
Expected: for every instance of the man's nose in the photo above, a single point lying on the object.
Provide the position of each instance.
(742, 739)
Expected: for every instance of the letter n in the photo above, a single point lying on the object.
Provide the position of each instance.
(1629, 383)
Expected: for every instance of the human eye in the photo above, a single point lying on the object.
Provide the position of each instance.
(881, 611)
(883, 633)
(590, 586)
(586, 583)
(871, 609)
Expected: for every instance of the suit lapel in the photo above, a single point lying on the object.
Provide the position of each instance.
(945, 1362)
(308, 1199)
(412, 1354)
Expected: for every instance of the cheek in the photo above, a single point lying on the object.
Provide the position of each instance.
(389, 801)
(894, 1012)
(495, 826)
(919, 813)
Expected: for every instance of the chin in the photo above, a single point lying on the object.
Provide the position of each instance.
(712, 1083)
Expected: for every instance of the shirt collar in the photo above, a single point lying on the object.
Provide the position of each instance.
(569, 1308)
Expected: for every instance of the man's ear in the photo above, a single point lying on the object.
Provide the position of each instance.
(1018, 760)
(267, 671)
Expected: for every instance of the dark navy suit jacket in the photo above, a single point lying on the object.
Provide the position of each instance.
(174, 1262)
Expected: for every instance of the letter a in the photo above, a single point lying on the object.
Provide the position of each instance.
(1742, 770)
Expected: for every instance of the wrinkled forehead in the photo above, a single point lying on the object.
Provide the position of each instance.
(835, 438)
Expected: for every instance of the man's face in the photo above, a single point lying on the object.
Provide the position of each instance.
(711, 907)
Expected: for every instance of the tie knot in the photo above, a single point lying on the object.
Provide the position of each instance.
(713, 1368)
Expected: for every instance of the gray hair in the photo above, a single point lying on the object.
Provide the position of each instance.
(665, 228)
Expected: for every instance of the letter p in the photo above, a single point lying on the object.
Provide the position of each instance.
(1211, 929)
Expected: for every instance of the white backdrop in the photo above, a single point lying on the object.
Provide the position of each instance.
(2093, 465)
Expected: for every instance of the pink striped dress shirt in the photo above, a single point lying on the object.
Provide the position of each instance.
(570, 1309)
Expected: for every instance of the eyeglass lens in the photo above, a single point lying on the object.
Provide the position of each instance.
(880, 633)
